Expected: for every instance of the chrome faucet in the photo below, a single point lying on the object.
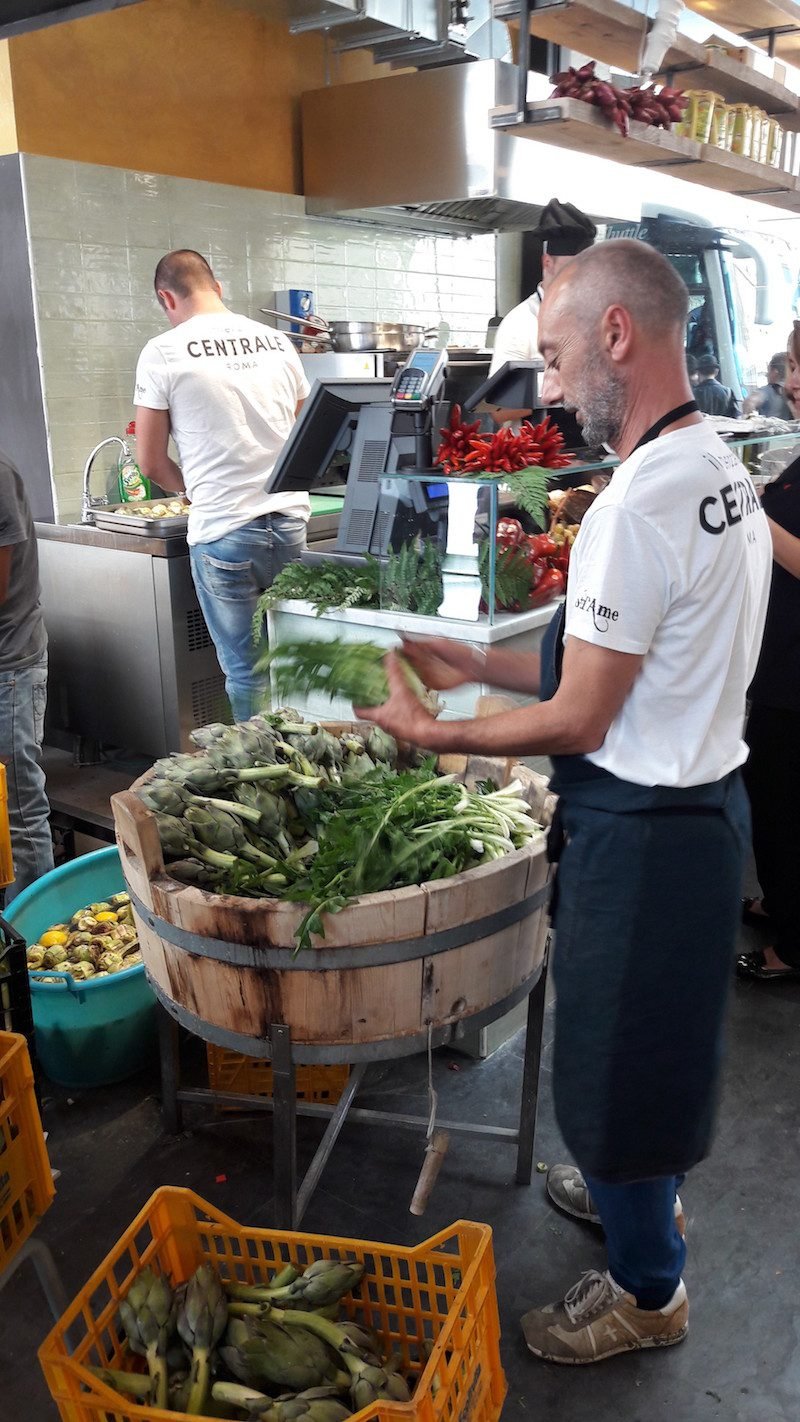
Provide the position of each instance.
(88, 502)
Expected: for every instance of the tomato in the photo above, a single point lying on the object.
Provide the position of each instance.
(510, 532)
(550, 585)
(542, 545)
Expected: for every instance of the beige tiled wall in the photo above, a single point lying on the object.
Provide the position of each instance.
(96, 234)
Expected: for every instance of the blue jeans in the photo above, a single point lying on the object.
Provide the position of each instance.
(23, 697)
(230, 575)
(646, 1254)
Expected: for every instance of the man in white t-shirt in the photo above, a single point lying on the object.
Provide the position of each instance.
(643, 685)
(228, 390)
(564, 231)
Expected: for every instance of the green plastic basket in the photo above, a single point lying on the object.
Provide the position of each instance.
(87, 1033)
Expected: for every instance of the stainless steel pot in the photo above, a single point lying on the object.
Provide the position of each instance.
(355, 336)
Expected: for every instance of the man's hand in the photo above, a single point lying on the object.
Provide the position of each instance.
(403, 714)
(440, 663)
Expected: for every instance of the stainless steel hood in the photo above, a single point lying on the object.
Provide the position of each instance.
(416, 150)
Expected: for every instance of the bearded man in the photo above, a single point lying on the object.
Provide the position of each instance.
(642, 680)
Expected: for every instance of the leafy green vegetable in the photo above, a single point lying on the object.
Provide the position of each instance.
(529, 487)
(389, 830)
(513, 576)
(411, 580)
(354, 670)
(331, 586)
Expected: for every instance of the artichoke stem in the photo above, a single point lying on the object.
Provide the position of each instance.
(160, 1375)
(198, 1382)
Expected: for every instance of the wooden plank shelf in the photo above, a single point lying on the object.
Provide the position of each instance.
(747, 16)
(612, 32)
(570, 123)
(737, 83)
(607, 30)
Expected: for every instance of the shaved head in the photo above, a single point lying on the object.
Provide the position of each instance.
(611, 330)
(628, 274)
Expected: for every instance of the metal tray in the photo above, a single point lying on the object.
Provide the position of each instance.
(120, 518)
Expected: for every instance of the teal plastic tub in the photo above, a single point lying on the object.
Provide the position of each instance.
(88, 1033)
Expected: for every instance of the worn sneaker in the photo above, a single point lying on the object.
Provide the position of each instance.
(569, 1192)
(598, 1319)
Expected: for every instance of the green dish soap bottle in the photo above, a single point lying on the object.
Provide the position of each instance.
(133, 487)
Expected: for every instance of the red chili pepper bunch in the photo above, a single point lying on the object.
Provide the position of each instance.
(657, 107)
(464, 451)
(457, 441)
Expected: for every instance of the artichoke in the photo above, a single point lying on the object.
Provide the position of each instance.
(148, 1317)
(178, 842)
(35, 956)
(111, 963)
(324, 1282)
(84, 954)
(202, 1316)
(171, 798)
(223, 833)
(205, 736)
(260, 1352)
(55, 956)
(81, 972)
(120, 900)
(269, 811)
(381, 746)
(193, 871)
(316, 1404)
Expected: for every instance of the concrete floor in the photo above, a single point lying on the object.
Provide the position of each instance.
(741, 1362)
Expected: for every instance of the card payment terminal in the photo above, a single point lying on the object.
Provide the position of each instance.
(419, 381)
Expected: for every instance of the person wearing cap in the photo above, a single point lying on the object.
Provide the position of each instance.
(769, 400)
(564, 231)
(713, 397)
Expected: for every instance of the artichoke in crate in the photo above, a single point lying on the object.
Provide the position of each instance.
(148, 1317)
(202, 1316)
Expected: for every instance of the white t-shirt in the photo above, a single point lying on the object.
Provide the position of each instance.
(518, 334)
(673, 562)
(231, 386)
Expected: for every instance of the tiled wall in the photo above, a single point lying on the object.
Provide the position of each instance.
(96, 234)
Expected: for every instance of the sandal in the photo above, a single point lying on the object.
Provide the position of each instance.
(750, 916)
(752, 965)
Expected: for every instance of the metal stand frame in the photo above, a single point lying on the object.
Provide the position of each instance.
(291, 1199)
(46, 1272)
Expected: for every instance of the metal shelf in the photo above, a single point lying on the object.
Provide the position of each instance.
(570, 123)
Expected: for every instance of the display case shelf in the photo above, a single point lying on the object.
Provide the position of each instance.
(570, 123)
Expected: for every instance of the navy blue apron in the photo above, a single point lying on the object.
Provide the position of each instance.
(646, 916)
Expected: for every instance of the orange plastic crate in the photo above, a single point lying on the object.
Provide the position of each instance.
(26, 1180)
(435, 1304)
(229, 1071)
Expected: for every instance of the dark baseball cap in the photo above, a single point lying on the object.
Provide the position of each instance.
(565, 229)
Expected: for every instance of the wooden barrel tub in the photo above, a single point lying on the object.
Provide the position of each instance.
(393, 970)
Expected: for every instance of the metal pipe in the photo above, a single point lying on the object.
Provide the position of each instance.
(88, 504)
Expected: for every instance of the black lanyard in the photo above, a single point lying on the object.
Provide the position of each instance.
(679, 413)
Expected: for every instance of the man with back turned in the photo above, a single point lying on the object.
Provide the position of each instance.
(228, 390)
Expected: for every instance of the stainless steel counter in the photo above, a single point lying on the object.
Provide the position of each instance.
(131, 660)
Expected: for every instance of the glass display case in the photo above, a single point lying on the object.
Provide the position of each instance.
(443, 546)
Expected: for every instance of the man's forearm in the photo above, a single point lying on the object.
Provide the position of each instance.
(166, 473)
(547, 728)
(511, 671)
